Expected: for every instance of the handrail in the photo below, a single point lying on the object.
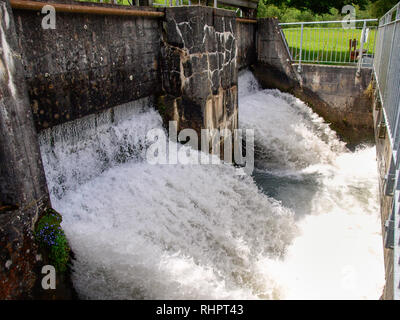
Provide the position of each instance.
(323, 22)
(244, 20)
(76, 8)
(304, 44)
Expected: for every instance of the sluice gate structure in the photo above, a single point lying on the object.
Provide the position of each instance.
(185, 61)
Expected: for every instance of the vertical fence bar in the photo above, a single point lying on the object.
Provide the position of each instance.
(360, 55)
(374, 44)
(301, 47)
(350, 34)
(297, 47)
(343, 57)
(314, 42)
(331, 49)
(337, 44)
(308, 44)
(291, 44)
(333, 38)
(333, 41)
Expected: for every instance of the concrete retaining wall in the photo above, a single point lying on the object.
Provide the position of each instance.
(341, 97)
(23, 190)
(88, 63)
(384, 159)
(334, 92)
(246, 34)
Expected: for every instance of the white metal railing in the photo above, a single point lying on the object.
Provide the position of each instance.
(320, 42)
(387, 75)
(177, 3)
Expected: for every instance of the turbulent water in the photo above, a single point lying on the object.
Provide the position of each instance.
(305, 225)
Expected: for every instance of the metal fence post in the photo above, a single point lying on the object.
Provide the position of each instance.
(360, 55)
(301, 47)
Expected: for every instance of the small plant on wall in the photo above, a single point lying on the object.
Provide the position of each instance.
(51, 238)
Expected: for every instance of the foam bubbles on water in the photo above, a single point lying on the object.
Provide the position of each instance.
(287, 133)
(334, 193)
(142, 231)
(172, 232)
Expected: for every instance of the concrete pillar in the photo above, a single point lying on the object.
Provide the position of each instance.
(274, 69)
(199, 68)
(23, 190)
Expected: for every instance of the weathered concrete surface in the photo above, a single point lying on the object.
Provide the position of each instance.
(199, 68)
(18, 253)
(23, 189)
(273, 58)
(341, 98)
(334, 92)
(246, 34)
(88, 63)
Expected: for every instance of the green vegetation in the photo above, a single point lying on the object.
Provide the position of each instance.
(51, 238)
(313, 10)
(291, 14)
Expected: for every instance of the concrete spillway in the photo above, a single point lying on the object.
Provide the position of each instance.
(306, 225)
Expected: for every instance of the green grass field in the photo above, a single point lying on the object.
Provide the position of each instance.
(326, 44)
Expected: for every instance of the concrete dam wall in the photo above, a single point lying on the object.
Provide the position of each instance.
(184, 60)
(94, 62)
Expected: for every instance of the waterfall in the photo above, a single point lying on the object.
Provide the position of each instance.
(333, 192)
(305, 225)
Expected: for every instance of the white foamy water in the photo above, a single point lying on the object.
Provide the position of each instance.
(142, 231)
(333, 191)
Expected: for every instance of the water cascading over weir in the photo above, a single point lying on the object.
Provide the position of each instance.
(76, 104)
